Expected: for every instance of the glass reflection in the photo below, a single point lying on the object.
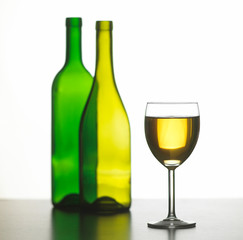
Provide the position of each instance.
(73, 225)
(171, 234)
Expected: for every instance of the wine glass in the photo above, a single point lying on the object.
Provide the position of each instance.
(172, 131)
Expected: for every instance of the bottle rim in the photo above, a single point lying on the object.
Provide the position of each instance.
(104, 25)
(73, 22)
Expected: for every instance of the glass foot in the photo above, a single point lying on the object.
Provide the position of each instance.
(172, 224)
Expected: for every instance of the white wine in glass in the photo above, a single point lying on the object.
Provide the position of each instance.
(172, 130)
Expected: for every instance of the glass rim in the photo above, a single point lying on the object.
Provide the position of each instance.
(172, 109)
(172, 103)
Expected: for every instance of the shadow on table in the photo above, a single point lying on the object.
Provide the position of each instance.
(75, 225)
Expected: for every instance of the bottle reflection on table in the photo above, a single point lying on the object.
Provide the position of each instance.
(73, 225)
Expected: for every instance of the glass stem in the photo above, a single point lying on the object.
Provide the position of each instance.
(171, 188)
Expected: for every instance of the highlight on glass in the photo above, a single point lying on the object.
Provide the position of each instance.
(172, 131)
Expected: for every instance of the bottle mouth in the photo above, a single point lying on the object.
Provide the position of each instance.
(104, 25)
(74, 22)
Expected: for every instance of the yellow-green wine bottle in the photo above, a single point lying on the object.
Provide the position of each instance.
(105, 161)
(70, 90)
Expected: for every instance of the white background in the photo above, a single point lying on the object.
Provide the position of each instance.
(163, 51)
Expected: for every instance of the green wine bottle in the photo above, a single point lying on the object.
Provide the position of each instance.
(70, 90)
(105, 162)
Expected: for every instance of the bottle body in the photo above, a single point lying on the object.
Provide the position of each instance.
(105, 162)
(70, 90)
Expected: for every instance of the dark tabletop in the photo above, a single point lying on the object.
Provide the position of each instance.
(219, 219)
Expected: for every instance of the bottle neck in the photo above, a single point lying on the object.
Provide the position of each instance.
(73, 41)
(104, 61)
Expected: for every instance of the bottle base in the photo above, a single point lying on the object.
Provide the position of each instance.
(104, 205)
(69, 202)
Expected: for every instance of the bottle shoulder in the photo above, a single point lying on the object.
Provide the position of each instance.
(73, 70)
(106, 99)
(72, 77)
